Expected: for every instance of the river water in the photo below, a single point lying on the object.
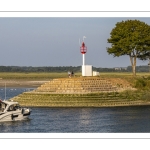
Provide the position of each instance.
(135, 119)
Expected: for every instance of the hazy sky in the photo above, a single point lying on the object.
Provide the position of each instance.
(55, 41)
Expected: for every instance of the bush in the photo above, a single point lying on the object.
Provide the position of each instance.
(148, 78)
(148, 84)
(140, 83)
(146, 96)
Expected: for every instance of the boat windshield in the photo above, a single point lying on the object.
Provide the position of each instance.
(14, 107)
(2, 106)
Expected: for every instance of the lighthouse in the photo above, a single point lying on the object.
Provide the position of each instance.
(86, 69)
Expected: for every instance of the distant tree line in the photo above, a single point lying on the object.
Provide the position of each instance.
(70, 68)
(123, 69)
(39, 69)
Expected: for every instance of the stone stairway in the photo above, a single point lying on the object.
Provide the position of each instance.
(80, 92)
(77, 85)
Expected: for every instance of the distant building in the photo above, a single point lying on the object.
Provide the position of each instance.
(117, 68)
(95, 73)
(120, 68)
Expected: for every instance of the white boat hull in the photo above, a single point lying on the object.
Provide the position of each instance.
(14, 115)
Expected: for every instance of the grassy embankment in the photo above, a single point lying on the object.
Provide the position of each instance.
(141, 96)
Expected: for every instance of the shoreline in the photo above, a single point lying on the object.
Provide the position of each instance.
(100, 106)
(21, 83)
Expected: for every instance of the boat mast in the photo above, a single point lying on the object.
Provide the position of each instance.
(5, 91)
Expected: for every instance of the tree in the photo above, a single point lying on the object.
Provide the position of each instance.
(132, 38)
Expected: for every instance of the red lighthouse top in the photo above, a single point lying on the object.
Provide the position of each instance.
(83, 48)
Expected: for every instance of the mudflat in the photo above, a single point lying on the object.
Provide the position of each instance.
(21, 83)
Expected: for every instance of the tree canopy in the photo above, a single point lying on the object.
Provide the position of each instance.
(132, 38)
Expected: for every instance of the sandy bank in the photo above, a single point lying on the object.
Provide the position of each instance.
(21, 83)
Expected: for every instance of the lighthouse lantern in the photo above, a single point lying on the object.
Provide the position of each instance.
(83, 48)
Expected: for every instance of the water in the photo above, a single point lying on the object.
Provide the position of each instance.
(11, 92)
(80, 120)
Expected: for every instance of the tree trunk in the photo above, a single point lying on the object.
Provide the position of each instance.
(133, 64)
(134, 70)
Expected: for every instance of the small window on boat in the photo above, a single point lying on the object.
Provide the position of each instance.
(11, 108)
(16, 106)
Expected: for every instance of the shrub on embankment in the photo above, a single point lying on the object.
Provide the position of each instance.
(142, 83)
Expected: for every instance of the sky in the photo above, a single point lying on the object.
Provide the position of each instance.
(54, 41)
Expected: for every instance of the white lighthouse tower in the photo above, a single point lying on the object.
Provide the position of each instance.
(86, 69)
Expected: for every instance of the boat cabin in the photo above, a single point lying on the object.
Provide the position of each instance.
(8, 106)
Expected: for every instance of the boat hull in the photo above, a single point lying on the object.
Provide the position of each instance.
(14, 116)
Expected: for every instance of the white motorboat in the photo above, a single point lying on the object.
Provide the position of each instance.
(12, 111)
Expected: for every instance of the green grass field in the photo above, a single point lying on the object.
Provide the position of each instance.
(47, 75)
(33, 76)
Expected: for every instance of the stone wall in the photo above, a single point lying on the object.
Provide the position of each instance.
(77, 85)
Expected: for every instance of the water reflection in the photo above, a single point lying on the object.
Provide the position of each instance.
(128, 119)
(15, 126)
(85, 116)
